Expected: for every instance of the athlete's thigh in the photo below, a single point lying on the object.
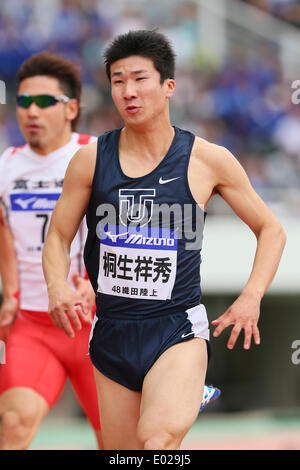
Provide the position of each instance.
(119, 413)
(173, 388)
(31, 364)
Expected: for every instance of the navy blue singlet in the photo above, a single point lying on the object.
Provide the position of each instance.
(141, 253)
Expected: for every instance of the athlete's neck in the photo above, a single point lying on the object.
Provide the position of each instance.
(150, 144)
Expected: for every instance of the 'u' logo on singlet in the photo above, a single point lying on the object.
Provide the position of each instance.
(136, 206)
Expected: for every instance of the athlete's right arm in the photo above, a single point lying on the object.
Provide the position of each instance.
(64, 224)
(9, 277)
(8, 259)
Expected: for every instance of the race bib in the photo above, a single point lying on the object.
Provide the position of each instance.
(136, 264)
(30, 217)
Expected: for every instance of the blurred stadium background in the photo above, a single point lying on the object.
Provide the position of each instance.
(238, 63)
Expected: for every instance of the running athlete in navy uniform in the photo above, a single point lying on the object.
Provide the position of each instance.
(146, 266)
(145, 189)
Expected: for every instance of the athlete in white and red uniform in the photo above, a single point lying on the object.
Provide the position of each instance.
(39, 357)
(30, 186)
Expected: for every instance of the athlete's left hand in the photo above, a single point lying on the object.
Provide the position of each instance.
(244, 315)
(84, 289)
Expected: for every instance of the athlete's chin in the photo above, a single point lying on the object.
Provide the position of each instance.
(35, 142)
(136, 121)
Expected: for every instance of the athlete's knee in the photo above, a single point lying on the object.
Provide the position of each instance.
(161, 440)
(160, 433)
(157, 442)
(16, 429)
(11, 429)
(159, 437)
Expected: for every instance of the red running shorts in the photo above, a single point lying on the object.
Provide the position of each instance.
(40, 356)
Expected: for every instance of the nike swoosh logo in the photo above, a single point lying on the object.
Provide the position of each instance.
(161, 181)
(186, 334)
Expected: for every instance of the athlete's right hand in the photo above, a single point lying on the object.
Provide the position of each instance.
(8, 313)
(84, 289)
(65, 306)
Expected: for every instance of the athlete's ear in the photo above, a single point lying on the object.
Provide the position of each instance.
(72, 109)
(170, 87)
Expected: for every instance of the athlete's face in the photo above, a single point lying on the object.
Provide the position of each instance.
(45, 129)
(137, 92)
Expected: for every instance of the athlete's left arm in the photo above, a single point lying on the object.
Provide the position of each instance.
(234, 187)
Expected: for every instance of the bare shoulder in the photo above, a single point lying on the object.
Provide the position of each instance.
(83, 162)
(217, 160)
(212, 155)
(87, 153)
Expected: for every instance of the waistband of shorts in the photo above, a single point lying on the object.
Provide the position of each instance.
(140, 316)
(38, 317)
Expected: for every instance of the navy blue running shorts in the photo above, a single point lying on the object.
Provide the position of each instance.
(125, 348)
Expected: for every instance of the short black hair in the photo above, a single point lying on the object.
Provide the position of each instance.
(64, 70)
(150, 44)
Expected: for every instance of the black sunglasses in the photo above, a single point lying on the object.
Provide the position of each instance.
(42, 101)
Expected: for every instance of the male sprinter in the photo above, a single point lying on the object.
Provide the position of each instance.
(39, 356)
(149, 343)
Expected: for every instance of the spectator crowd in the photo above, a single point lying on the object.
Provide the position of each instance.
(243, 103)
